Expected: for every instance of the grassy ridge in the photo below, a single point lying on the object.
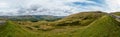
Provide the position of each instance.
(104, 27)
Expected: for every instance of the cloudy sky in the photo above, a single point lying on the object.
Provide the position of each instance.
(56, 7)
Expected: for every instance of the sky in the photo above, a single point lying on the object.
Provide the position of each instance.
(56, 7)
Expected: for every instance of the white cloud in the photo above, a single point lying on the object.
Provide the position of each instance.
(113, 5)
(60, 7)
(54, 5)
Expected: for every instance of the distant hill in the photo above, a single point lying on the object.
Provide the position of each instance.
(103, 27)
(32, 18)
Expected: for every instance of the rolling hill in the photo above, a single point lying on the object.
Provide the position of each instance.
(103, 27)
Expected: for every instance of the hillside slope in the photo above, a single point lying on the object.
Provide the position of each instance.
(103, 27)
(82, 18)
(12, 30)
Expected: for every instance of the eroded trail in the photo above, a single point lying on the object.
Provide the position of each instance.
(117, 18)
(2, 22)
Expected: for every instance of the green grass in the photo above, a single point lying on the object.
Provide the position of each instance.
(10, 29)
